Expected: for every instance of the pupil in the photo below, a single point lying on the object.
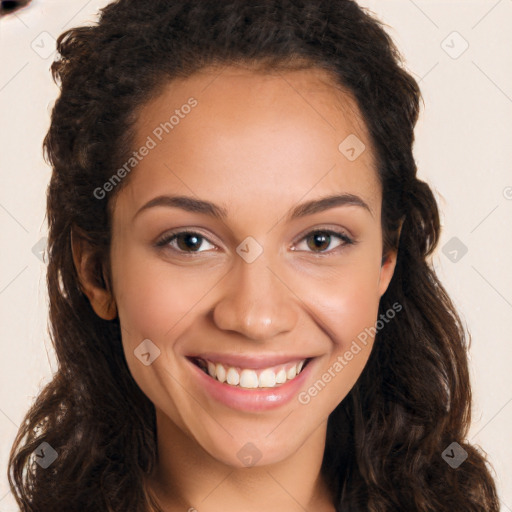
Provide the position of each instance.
(187, 242)
(322, 239)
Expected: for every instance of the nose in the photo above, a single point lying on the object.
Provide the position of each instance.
(255, 302)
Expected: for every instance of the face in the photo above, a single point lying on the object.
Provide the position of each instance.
(247, 258)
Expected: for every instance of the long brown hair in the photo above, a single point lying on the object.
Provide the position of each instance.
(385, 439)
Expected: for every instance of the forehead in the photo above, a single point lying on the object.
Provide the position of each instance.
(267, 135)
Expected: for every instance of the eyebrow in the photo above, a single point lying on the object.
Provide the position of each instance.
(319, 205)
(193, 205)
(186, 203)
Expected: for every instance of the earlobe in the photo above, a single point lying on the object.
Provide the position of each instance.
(92, 284)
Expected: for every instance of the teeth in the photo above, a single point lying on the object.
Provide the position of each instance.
(250, 379)
(232, 377)
(281, 376)
(267, 379)
(221, 373)
(290, 374)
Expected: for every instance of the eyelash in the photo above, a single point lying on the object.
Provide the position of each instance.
(170, 237)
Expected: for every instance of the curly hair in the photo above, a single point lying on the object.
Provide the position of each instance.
(412, 400)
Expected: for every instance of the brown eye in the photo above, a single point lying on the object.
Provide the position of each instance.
(188, 241)
(184, 242)
(320, 241)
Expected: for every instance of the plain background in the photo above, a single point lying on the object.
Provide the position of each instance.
(460, 52)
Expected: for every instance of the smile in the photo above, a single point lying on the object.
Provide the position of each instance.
(249, 378)
(249, 382)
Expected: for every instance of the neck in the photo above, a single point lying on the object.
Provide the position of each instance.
(187, 478)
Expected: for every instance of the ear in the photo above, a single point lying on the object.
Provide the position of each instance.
(388, 265)
(386, 271)
(92, 277)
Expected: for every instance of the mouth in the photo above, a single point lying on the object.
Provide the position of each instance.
(251, 378)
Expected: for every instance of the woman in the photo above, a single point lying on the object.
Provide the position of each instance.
(240, 299)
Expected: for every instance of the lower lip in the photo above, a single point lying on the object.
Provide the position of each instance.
(251, 399)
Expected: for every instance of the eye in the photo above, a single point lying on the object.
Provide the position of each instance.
(320, 240)
(184, 241)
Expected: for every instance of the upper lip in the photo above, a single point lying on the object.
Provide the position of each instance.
(256, 361)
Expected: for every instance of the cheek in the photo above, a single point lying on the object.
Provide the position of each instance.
(346, 310)
(154, 298)
(345, 305)
(154, 304)
(345, 301)
(355, 310)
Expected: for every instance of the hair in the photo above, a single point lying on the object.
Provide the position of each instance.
(413, 398)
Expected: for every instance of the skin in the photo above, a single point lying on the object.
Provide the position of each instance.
(257, 145)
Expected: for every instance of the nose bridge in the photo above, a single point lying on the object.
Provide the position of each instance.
(255, 302)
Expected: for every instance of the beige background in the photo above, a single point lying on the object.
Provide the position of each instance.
(463, 151)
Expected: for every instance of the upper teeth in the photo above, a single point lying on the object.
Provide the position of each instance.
(247, 378)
